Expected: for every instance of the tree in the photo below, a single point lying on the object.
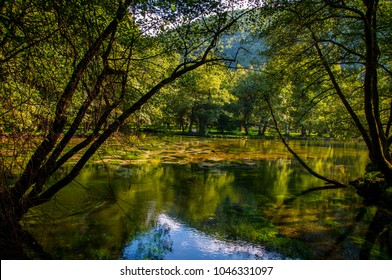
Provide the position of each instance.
(344, 46)
(199, 98)
(250, 107)
(90, 62)
(338, 42)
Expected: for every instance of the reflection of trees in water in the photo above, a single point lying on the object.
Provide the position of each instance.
(379, 233)
(155, 244)
(234, 200)
(370, 231)
(377, 242)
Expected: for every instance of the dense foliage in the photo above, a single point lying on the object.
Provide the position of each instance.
(86, 67)
(93, 68)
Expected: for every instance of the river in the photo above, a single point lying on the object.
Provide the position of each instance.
(190, 198)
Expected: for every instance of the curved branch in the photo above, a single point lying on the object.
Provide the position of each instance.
(297, 157)
(40, 155)
(339, 92)
(385, 68)
(340, 45)
(342, 5)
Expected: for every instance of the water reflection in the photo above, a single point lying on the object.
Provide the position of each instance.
(172, 240)
(225, 200)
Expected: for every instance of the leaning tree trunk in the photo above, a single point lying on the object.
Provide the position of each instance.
(11, 237)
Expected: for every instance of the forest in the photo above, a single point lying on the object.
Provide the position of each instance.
(76, 74)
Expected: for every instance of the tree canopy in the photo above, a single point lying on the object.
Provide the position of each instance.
(88, 66)
(93, 68)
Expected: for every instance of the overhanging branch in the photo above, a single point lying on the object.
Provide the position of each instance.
(296, 156)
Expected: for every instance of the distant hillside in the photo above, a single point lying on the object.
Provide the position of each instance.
(243, 47)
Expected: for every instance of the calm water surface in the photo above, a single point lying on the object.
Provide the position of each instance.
(208, 199)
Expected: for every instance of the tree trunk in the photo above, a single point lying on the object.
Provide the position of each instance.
(371, 95)
(303, 131)
(190, 130)
(202, 127)
(246, 129)
(11, 244)
(263, 127)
